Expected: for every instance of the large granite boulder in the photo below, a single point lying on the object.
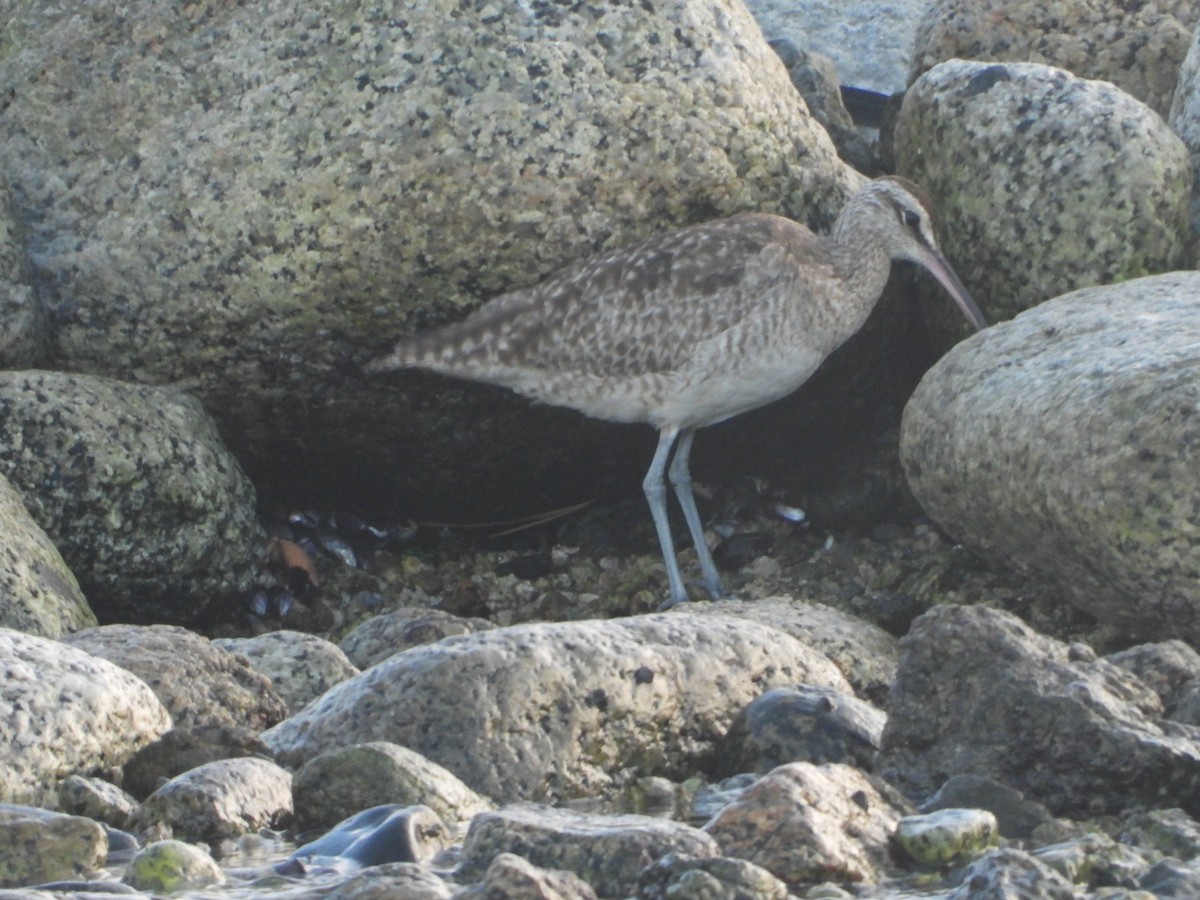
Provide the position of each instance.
(1067, 442)
(1137, 46)
(135, 488)
(38, 593)
(64, 712)
(1050, 182)
(252, 200)
(548, 712)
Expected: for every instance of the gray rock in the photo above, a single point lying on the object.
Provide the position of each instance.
(378, 637)
(199, 682)
(1168, 832)
(1172, 878)
(872, 43)
(675, 877)
(1016, 816)
(803, 822)
(515, 878)
(1184, 116)
(225, 798)
(276, 193)
(608, 852)
(1060, 443)
(334, 785)
(1068, 182)
(133, 485)
(96, 799)
(1170, 668)
(552, 711)
(182, 749)
(801, 722)
(37, 845)
(979, 692)
(38, 593)
(864, 652)
(170, 865)
(64, 712)
(1094, 859)
(301, 666)
(23, 320)
(390, 881)
(1137, 46)
(1008, 873)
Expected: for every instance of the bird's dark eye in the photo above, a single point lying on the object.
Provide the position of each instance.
(911, 218)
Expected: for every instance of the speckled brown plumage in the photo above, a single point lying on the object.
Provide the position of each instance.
(691, 327)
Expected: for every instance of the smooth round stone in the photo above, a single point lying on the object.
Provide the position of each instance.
(946, 836)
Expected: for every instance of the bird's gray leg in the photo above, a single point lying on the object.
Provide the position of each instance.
(681, 479)
(656, 495)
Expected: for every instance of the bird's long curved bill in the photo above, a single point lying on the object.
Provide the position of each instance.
(940, 269)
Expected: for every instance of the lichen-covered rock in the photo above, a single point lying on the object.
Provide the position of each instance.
(1137, 46)
(224, 798)
(607, 852)
(135, 488)
(301, 666)
(64, 712)
(256, 236)
(334, 785)
(1069, 183)
(23, 320)
(381, 636)
(980, 692)
(1009, 872)
(946, 836)
(803, 822)
(37, 846)
(38, 593)
(1067, 442)
(172, 865)
(199, 682)
(554, 710)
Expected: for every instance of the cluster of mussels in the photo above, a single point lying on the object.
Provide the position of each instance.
(305, 536)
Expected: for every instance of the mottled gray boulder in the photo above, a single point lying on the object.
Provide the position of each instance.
(979, 692)
(872, 43)
(38, 593)
(1184, 116)
(199, 682)
(335, 785)
(378, 637)
(803, 822)
(946, 836)
(275, 193)
(1066, 442)
(1046, 182)
(37, 846)
(512, 876)
(23, 320)
(96, 799)
(1171, 669)
(554, 711)
(608, 852)
(181, 750)
(64, 712)
(717, 877)
(301, 666)
(1003, 874)
(224, 798)
(136, 490)
(1137, 46)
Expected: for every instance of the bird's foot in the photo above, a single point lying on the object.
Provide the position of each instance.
(715, 591)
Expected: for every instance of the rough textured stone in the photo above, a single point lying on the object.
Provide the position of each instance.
(1170, 668)
(979, 692)
(133, 485)
(181, 749)
(1184, 116)
(301, 666)
(1067, 442)
(254, 199)
(1007, 873)
(170, 866)
(96, 799)
(553, 711)
(335, 785)
(224, 798)
(1138, 46)
(1068, 182)
(675, 877)
(23, 320)
(378, 637)
(38, 593)
(64, 712)
(37, 846)
(947, 836)
(200, 683)
(803, 822)
(872, 43)
(607, 852)
(515, 878)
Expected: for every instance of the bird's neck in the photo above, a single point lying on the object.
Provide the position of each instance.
(863, 264)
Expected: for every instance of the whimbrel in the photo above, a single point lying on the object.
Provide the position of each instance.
(692, 327)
